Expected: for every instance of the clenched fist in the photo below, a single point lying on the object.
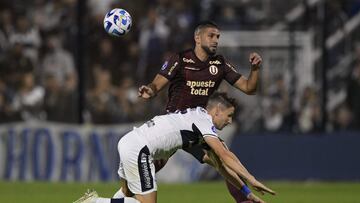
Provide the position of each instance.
(255, 60)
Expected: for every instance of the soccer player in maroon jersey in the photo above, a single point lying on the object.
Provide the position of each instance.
(195, 74)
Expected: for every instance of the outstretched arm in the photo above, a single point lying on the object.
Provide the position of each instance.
(150, 90)
(227, 159)
(249, 85)
(212, 159)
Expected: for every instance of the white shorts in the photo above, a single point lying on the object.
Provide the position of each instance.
(136, 164)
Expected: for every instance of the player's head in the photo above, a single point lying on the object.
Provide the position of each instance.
(221, 108)
(206, 36)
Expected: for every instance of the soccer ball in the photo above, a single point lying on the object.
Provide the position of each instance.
(117, 22)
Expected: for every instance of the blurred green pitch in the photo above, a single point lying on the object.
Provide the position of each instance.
(203, 192)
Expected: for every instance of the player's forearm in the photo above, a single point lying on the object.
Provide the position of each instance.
(239, 162)
(231, 176)
(158, 83)
(154, 89)
(233, 164)
(252, 81)
(212, 159)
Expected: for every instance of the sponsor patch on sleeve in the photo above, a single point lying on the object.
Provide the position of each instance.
(213, 129)
(231, 67)
(165, 65)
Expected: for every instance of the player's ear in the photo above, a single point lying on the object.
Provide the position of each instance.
(218, 109)
(197, 37)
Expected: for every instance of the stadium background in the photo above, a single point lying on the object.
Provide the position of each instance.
(68, 90)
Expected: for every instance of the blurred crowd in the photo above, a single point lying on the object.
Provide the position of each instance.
(39, 76)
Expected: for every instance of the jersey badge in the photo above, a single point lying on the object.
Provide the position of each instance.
(164, 66)
(213, 69)
(213, 129)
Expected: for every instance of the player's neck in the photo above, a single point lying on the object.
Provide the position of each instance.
(201, 54)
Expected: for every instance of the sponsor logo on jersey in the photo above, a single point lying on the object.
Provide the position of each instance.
(194, 84)
(213, 70)
(216, 62)
(164, 66)
(172, 68)
(191, 68)
(144, 168)
(186, 60)
(145, 171)
(200, 87)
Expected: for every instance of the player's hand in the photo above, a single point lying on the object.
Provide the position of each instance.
(255, 198)
(255, 60)
(261, 187)
(145, 92)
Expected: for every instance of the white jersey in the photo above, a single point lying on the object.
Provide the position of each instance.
(165, 134)
(160, 138)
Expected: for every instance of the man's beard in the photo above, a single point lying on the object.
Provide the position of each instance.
(208, 51)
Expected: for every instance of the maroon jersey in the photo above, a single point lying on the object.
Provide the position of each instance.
(192, 81)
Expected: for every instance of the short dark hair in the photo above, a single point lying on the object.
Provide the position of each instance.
(205, 24)
(222, 98)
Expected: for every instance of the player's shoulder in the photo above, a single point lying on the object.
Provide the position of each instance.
(177, 56)
(202, 114)
(187, 56)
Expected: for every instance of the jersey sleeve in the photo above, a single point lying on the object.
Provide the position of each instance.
(206, 127)
(231, 75)
(170, 67)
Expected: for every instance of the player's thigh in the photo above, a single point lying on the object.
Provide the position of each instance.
(125, 188)
(147, 198)
(138, 170)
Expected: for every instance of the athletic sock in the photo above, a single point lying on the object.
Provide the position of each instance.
(103, 200)
(116, 200)
(125, 200)
(131, 200)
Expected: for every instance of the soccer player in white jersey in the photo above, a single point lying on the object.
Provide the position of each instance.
(163, 135)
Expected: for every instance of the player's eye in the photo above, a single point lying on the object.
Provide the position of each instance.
(211, 35)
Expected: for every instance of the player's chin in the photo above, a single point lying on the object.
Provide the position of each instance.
(213, 50)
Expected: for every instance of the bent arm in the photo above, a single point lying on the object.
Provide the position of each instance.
(248, 85)
(227, 159)
(150, 90)
(158, 83)
(212, 159)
